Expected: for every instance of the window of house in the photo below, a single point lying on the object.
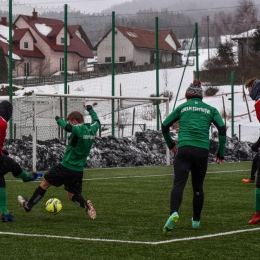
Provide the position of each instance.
(26, 45)
(108, 59)
(13, 65)
(122, 59)
(61, 64)
(26, 69)
(83, 63)
(62, 40)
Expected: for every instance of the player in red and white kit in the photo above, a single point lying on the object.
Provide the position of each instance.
(7, 164)
(253, 86)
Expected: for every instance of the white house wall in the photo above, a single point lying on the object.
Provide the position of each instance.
(61, 35)
(171, 42)
(27, 38)
(80, 36)
(123, 48)
(141, 57)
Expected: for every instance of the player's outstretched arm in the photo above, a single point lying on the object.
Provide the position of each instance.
(95, 125)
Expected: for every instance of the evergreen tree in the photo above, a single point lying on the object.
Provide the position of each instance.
(226, 54)
(3, 67)
(255, 41)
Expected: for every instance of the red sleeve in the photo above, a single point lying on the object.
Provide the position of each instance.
(3, 127)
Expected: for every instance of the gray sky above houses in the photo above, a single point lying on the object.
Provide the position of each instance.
(88, 6)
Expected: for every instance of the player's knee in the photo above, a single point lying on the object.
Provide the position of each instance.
(45, 185)
(70, 195)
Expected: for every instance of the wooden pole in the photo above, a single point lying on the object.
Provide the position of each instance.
(248, 111)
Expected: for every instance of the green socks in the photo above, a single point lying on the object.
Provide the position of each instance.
(257, 199)
(3, 204)
(26, 176)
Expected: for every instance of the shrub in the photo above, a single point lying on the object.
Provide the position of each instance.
(3, 67)
(149, 113)
(210, 91)
(167, 93)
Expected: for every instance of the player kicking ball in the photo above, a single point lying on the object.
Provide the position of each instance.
(70, 171)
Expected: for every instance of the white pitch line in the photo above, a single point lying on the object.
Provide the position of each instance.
(132, 242)
(206, 236)
(145, 176)
(125, 177)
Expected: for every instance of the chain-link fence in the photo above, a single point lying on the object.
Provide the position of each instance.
(131, 115)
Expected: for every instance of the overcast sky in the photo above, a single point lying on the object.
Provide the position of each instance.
(88, 6)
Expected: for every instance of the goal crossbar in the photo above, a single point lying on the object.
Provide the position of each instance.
(101, 97)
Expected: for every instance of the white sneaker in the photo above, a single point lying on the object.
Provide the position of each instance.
(23, 203)
(91, 211)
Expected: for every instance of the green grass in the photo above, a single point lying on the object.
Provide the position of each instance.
(132, 207)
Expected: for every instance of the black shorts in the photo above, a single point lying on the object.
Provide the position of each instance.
(60, 175)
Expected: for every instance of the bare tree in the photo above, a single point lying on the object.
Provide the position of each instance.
(38, 67)
(229, 22)
(43, 66)
(246, 15)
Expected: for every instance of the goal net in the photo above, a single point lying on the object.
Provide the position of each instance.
(119, 116)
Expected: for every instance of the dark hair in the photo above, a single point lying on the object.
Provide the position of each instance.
(249, 83)
(77, 116)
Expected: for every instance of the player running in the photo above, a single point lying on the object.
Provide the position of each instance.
(195, 118)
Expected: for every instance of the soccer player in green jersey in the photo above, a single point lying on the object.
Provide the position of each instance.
(195, 118)
(70, 171)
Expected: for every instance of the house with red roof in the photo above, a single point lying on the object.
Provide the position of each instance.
(137, 47)
(38, 46)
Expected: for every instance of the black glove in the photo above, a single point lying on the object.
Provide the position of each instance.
(57, 117)
(88, 107)
(5, 152)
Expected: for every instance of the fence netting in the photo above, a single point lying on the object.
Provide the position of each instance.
(130, 115)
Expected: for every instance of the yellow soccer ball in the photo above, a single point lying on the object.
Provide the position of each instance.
(53, 206)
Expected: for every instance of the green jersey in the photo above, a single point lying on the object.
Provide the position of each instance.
(80, 142)
(195, 118)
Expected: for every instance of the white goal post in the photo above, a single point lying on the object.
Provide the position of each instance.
(37, 102)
